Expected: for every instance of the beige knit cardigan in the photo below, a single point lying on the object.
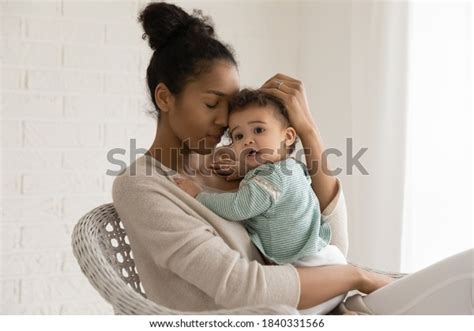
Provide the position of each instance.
(191, 259)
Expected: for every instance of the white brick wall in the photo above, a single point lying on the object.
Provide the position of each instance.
(73, 86)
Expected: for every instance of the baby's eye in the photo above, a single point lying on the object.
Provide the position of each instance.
(259, 130)
(238, 136)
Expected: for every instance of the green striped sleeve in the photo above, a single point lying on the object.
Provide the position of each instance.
(249, 201)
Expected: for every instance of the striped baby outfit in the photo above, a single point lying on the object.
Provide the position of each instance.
(279, 210)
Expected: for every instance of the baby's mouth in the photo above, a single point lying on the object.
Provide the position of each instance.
(252, 153)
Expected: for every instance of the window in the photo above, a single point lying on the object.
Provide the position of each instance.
(438, 218)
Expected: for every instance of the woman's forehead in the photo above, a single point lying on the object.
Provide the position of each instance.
(221, 80)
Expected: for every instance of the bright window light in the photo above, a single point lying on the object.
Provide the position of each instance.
(438, 220)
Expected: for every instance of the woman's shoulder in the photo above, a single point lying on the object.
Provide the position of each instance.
(147, 166)
(140, 174)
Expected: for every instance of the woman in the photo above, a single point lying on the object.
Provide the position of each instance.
(189, 258)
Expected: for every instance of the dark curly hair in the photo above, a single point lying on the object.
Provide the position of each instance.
(251, 97)
(184, 46)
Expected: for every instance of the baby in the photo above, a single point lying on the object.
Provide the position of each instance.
(275, 199)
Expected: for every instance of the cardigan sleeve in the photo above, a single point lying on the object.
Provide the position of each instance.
(192, 249)
(336, 215)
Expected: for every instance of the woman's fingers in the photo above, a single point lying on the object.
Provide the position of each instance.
(285, 77)
(225, 168)
(233, 176)
(222, 168)
(282, 77)
(223, 161)
(280, 84)
(292, 93)
(223, 171)
(279, 93)
(291, 89)
(372, 281)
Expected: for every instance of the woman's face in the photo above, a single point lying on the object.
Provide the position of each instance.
(200, 113)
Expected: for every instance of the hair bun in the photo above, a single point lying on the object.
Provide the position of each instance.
(163, 22)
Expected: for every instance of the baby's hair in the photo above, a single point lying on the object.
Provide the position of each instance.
(184, 46)
(254, 97)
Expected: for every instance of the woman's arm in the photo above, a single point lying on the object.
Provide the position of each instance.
(192, 249)
(292, 94)
(319, 284)
(165, 235)
(324, 185)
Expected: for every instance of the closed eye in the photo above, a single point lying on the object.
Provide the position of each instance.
(212, 106)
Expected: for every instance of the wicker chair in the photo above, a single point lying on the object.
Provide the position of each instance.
(103, 252)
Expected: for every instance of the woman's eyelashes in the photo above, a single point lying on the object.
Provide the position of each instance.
(212, 106)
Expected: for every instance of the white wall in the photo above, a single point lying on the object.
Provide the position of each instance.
(73, 86)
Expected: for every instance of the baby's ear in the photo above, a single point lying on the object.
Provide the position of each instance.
(290, 136)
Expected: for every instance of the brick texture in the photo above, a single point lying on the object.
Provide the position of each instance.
(73, 88)
(70, 69)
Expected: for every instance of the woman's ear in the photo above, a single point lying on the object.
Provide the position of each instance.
(290, 136)
(164, 98)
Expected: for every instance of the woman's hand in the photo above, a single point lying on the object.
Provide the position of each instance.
(225, 165)
(292, 93)
(188, 186)
(227, 168)
(371, 281)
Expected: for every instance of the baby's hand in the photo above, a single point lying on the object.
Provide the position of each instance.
(188, 186)
(227, 168)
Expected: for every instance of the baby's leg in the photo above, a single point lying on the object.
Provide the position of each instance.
(445, 287)
(329, 255)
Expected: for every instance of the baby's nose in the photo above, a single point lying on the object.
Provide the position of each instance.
(249, 141)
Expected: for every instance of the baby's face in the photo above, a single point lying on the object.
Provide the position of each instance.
(258, 136)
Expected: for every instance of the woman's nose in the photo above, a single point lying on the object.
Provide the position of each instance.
(221, 118)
